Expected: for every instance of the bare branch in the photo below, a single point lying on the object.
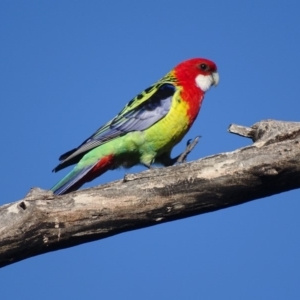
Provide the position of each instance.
(42, 222)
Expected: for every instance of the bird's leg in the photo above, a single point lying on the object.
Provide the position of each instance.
(190, 145)
(148, 166)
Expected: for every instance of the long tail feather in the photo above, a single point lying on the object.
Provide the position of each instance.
(77, 177)
(67, 184)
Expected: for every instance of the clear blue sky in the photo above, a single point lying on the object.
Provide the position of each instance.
(69, 66)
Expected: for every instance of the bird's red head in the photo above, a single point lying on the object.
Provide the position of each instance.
(201, 71)
(195, 77)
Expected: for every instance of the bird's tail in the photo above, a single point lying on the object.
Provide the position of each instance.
(78, 176)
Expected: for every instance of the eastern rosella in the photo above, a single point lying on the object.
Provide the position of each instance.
(146, 130)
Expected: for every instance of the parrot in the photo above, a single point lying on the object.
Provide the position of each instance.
(146, 129)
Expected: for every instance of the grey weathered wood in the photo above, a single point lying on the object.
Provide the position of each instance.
(41, 222)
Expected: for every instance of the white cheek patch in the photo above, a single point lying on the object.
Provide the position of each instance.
(204, 82)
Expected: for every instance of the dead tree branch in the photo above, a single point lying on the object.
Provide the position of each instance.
(41, 222)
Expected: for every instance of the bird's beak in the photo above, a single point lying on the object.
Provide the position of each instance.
(215, 78)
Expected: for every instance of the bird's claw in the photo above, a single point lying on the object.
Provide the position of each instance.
(190, 145)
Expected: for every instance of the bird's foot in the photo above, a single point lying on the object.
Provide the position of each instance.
(148, 166)
(190, 145)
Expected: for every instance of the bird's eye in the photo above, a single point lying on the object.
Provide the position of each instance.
(204, 67)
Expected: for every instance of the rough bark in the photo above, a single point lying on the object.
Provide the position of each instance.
(42, 222)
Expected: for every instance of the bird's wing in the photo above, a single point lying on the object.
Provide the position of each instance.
(139, 114)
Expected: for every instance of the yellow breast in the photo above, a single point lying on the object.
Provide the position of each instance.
(169, 131)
